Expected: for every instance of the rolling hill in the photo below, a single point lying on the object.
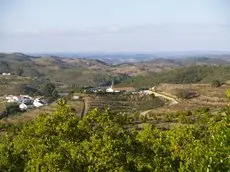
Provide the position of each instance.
(65, 72)
(182, 75)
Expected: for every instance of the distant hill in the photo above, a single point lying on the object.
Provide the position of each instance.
(65, 72)
(129, 57)
(57, 69)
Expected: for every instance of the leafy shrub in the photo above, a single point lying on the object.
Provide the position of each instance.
(216, 83)
(49, 91)
(12, 108)
(185, 94)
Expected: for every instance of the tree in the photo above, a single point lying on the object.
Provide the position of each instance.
(20, 71)
(27, 89)
(154, 151)
(71, 94)
(12, 108)
(216, 83)
(49, 91)
(186, 94)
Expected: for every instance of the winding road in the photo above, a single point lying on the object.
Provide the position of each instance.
(172, 101)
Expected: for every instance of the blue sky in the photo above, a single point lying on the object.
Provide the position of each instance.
(114, 25)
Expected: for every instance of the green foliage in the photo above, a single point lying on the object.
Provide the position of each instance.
(49, 91)
(216, 83)
(19, 71)
(185, 94)
(70, 94)
(27, 90)
(61, 141)
(154, 151)
(228, 93)
(120, 78)
(12, 108)
(77, 89)
(4, 66)
(183, 75)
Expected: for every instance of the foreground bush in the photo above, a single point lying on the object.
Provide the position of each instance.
(107, 142)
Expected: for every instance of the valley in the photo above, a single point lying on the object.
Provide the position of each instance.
(114, 86)
(167, 82)
(178, 99)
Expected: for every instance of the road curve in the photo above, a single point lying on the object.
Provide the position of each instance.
(172, 101)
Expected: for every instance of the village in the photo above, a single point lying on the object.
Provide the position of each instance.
(26, 102)
(112, 89)
(88, 96)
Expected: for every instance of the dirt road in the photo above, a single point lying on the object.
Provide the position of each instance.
(172, 101)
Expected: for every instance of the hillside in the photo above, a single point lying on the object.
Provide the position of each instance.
(207, 96)
(144, 68)
(58, 70)
(182, 75)
(13, 84)
(65, 72)
(79, 71)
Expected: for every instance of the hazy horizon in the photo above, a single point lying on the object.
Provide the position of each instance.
(32, 26)
(118, 52)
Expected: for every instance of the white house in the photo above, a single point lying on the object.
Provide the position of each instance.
(21, 99)
(145, 92)
(109, 90)
(24, 106)
(76, 97)
(12, 99)
(6, 73)
(25, 99)
(38, 103)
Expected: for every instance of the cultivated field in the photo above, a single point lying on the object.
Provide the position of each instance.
(129, 103)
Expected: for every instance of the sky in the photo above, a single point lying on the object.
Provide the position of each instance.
(114, 25)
